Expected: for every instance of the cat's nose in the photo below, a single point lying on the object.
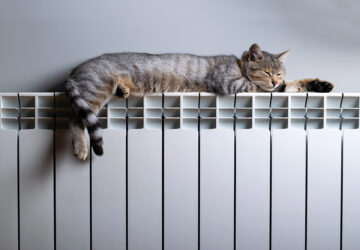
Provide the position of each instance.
(275, 80)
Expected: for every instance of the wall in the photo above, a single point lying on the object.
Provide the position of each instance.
(41, 40)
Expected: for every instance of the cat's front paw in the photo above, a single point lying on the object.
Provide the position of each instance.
(317, 85)
(122, 92)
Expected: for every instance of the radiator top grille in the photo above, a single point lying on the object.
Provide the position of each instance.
(189, 111)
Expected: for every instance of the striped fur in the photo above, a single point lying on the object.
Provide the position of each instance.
(91, 84)
(85, 117)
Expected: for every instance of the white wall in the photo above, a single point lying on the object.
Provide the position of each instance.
(41, 40)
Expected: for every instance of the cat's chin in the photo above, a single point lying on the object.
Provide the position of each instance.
(266, 88)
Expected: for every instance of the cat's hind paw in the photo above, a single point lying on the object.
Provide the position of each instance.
(317, 85)
(80, 152)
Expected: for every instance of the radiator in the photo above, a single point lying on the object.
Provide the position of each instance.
(183, 171)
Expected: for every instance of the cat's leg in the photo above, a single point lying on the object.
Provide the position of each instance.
(216, 87)
(78, 139)
(308, 85)
(123, 84)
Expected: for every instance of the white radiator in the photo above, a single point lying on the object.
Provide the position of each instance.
(183, 171)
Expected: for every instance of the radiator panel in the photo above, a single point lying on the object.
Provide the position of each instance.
(288, 189)
(252, 189)
(145, 189)
(324, 189)
(181, 189)
(36, 189)
(72, 196)
(109, 193)
(351, 189)
(217, 189)
(8, 190)
(183, 171)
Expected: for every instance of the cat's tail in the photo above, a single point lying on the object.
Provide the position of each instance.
(86, 116)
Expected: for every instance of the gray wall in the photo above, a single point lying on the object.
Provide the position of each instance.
(41, 40)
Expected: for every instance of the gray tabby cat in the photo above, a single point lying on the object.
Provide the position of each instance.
(91, 84)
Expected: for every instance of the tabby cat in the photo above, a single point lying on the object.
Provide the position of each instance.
(91, 84)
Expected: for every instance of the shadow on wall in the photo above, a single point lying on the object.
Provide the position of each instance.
(55, 82)
(63, 149)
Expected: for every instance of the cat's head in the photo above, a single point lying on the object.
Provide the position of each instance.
(262, 68)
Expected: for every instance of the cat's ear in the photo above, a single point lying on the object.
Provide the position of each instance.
(255, 52)
(282, 56)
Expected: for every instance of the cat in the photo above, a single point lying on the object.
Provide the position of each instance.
(92, 83)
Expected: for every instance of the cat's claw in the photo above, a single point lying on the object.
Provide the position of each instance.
(320, 86)
(81, 153)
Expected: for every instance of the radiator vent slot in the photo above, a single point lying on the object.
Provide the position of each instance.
(183, 110)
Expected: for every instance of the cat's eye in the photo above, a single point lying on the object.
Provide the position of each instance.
(268, 73)
(279, 75)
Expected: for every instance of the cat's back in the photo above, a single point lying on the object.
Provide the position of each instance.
(182, 64)
(140, 65)
(145, 60)
(165, 58)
